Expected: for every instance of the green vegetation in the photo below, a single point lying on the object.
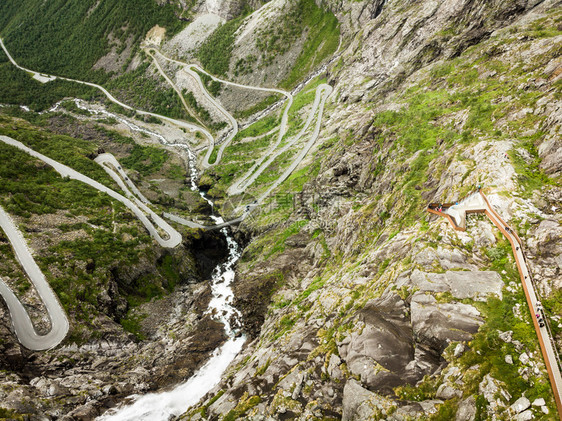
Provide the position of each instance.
(215, 53)
(168, 266)
(425, 390)
(447, 411)
(316, 284)
(203, 410)
(246, 152)
(459, 105)
(279, 245)
(412, 123)
(469, 99)
(487, 356)
(67, 39)
(202, 112)
(244, 405)
(276, 39)
(422, 124)
(19, 88)
(30, 188)
(132, 324)
(304, 97)
(501, 259)
(295, 182)
(69, 151)
(266, 248)
(245, 65)
(176, 172)
(541, 29)
(489, 351)
(11, 268)
(262, 126)
(322, 40)
(214, 155)
(8, 414)
(239, 155)
(284, 325)
(304, 18)
(214, 87)
(531, 177)
(260, 370)
(271, 173)
(73, 108)
(145, 159)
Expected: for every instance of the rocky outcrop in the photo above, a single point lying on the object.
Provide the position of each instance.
(437, 324)
(381, 348)
(547, 239)
(467, 410)
(359, 403)
(477, 285)
(550, 151)
(411, 37)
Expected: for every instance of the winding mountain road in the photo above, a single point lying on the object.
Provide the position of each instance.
(23, 326)
(135, 201)
(110, 164)
(322, 93)
(179, 123)
(173, 237)
(244, 182)
(189, 69)
(272, 153)
(189, 110)
(21, 321)
(479, 203)
(326, 90)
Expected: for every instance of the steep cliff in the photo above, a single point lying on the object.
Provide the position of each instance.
(358, 304)
(361, 305)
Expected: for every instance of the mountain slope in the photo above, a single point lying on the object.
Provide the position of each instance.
(431, 100)
(358, 303)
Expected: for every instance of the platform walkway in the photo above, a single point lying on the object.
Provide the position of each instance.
(477, 202)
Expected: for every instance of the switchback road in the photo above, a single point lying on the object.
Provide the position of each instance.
(21, 321)
(173, 237)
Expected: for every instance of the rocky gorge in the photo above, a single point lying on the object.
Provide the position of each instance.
(357, 303)
(380, 302)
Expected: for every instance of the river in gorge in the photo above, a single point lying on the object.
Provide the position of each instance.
(163, 406)
(167, 404)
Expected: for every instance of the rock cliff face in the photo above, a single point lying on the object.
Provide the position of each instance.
(358, 304)
(374, 310)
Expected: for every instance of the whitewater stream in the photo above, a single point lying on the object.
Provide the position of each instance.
(168, 404)
(165, 405)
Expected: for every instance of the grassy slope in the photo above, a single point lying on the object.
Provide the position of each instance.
(422, 125)
(98, 237)
(67, 38)
(322, 39)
